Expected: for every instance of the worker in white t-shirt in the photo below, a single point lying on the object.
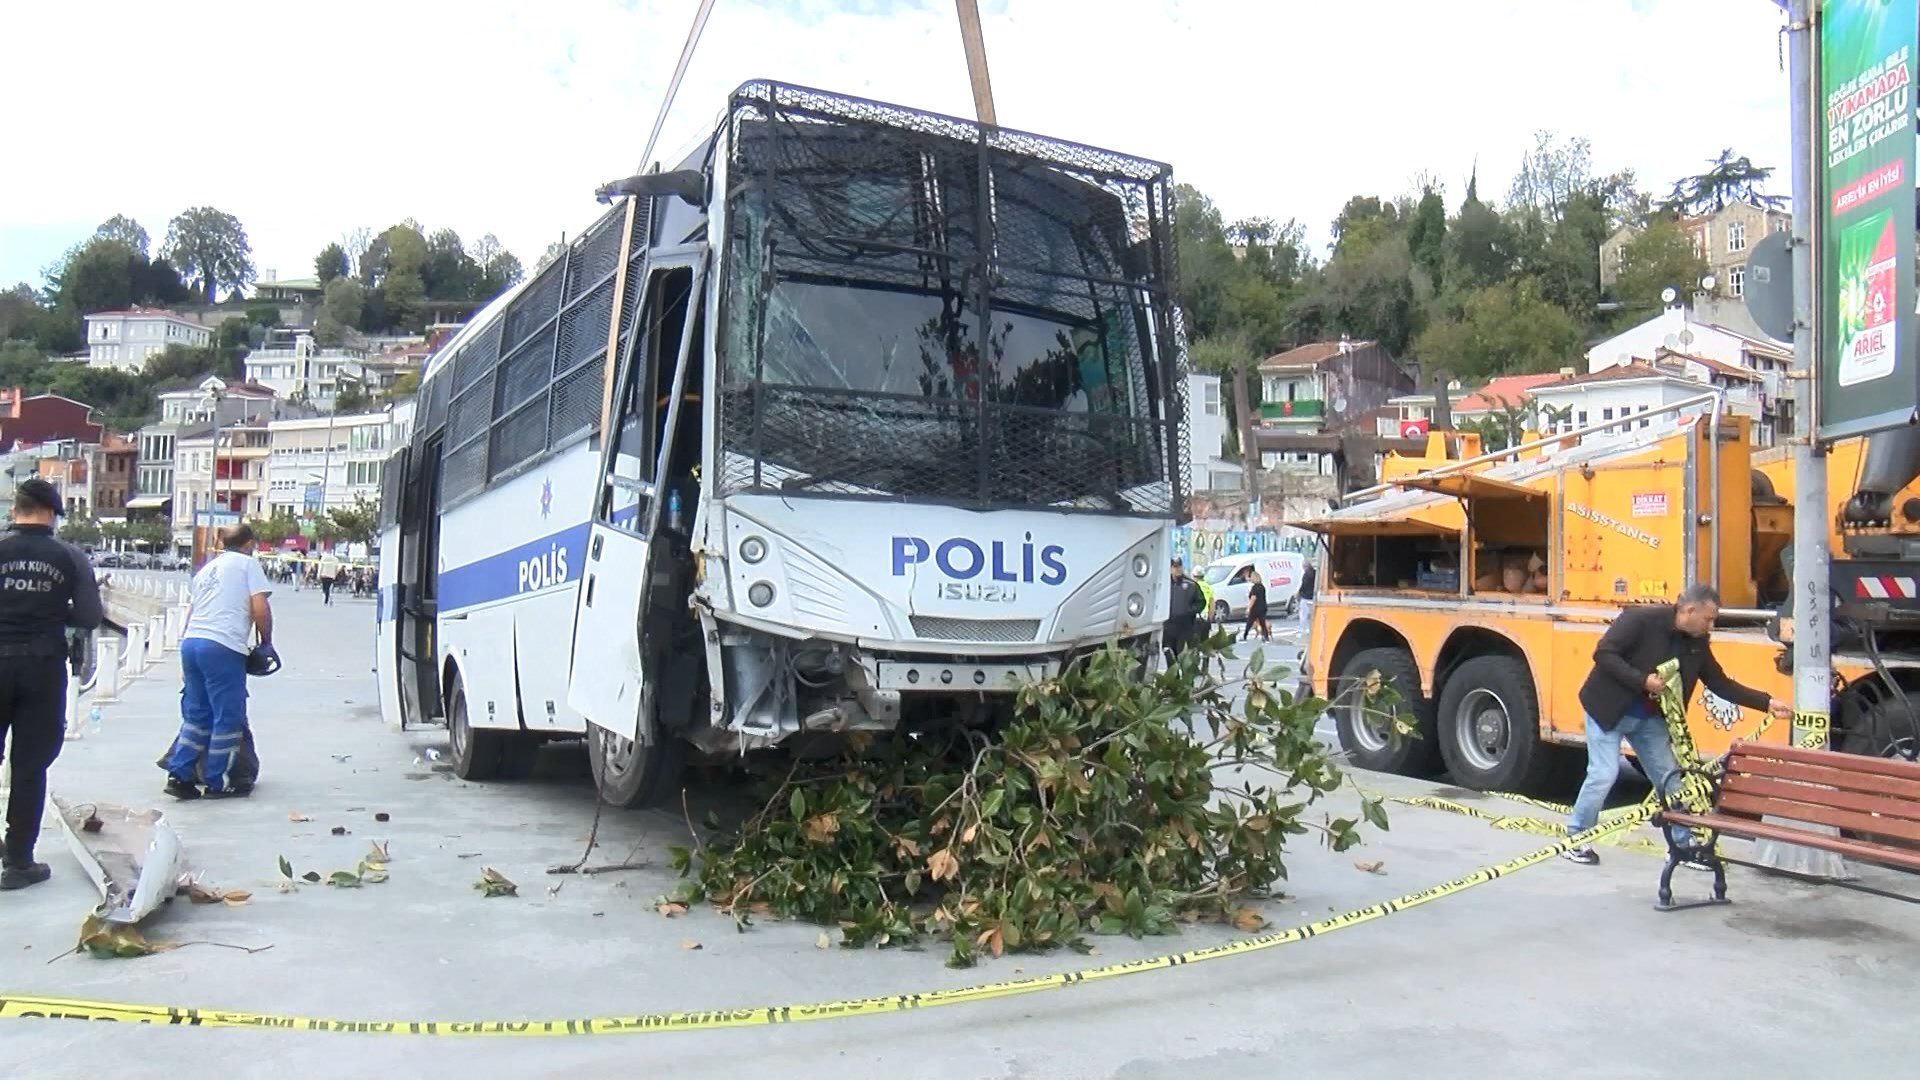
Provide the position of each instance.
(228, 611)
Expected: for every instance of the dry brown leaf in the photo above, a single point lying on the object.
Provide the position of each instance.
(1370, 867)
(941, 865)
(906, 847)
(967, 837)
(820, 829)
(823, 941)
(1248, 920)
(298, 818)
(996, 944)
(671, 908)
(691, 945)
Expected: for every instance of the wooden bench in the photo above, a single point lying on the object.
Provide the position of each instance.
(1874, 801)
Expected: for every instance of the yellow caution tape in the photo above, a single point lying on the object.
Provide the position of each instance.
(1534, 825)
(27, 1006)
(1811, 730)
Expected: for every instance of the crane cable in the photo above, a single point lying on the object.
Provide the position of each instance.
(673, 86)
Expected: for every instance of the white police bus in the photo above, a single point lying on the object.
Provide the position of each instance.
(896, 419)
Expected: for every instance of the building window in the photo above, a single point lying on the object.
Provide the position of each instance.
(1782, 224)
(1737, 236)
(1606, 413)
(1645, 423)
(1737, 280)
(371, 439)
(1580, 418)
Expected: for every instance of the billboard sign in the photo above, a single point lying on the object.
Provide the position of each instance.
(1869, 380)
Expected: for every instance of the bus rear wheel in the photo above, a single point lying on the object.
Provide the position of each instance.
(632, 776)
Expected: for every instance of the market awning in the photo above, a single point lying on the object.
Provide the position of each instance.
(1357, 526)
(148, 502)
(1470, 486)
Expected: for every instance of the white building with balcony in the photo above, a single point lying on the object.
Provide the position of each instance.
(299, 369)
(321, 463)
(125, 340)
(231, 476)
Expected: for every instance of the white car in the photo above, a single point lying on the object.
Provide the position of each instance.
(1281, 570)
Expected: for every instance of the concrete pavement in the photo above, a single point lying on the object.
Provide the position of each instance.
(1558, 970)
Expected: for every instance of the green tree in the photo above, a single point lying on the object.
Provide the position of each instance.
(352, 397)
(81, 529)
(125, 231)
(450, 273)
(355, 523)
(1661, 257)
(556, 250)
(330, 263)
(1364, 222)
(1728, 179)
(499, 269)
(1505, 425)
(18, 306)
(210, 245)
(341, 310)
(1427, 235)
(151, 533)
(1368, 290)
(1502, 329)
(1479, 244)
(1551, 175)
(405, 385)
(273, 531)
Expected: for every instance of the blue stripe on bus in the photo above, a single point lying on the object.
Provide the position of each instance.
(552, 560)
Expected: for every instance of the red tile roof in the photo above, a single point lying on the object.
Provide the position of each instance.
(1314, 355)
(1639, 369)
(1503, 391)
(1718, 367)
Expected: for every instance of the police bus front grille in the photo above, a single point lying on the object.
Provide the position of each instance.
(994, 631)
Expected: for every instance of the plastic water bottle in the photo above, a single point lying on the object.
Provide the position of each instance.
(93, 720)
(673, 510)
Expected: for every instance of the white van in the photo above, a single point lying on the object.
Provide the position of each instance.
(1281, 570)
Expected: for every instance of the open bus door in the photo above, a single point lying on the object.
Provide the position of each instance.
(416, 584)
(610, 684)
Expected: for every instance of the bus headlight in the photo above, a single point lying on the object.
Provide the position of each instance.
(760, 594)
(753, 549)
(1136, 606)
(1140, 566)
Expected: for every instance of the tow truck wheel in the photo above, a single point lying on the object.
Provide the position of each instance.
(1366, 732)
(476, 754)
(632, 776)
(1490, 727)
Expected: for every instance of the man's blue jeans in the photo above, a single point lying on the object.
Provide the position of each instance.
(213, 711)
(1648, 737)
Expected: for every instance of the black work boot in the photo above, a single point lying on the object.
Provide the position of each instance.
(22, 872)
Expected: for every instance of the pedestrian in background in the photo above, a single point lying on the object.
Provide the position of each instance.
(329, 574)
(1256, 605)
(46, 586)
(1184, 608)
(228, 609)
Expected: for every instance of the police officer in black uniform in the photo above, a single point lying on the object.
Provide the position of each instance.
(46, 586)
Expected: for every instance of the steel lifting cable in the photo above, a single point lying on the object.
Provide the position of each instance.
(673, 86)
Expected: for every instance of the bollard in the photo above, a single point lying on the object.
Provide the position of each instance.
(156, 636)
(176, 625)
(136, 650)
(76, 727)
(108, 687)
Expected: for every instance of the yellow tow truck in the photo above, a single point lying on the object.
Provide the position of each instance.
(1478, 584)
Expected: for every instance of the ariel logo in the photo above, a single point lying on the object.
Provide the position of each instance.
(546, 497)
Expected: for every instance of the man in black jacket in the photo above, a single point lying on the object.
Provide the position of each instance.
(46, 586)
(1184, 608)
(1621, 697)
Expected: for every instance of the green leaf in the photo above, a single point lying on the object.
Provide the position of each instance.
(286, 868)
(797, 803)
(345, 879)
(680, 859)
(990, 806)
(312, 876)
(1374, 812)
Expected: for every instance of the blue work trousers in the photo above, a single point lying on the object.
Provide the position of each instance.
(213, 712)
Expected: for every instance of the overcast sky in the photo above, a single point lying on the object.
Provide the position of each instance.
(501, 116)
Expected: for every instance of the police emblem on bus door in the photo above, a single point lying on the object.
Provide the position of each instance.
(989, 572)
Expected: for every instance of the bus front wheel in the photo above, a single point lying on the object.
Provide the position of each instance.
(476, 754)
(632, 776)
